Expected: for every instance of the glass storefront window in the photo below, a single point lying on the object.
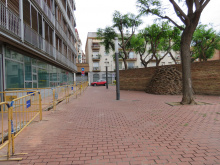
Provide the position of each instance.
(7, 53)
(34, 62)
(25, 72)
(53, 77)
(17, 56)
(28, 72)
(42, 64)
(43, 78)
(34, 85)
(14, 74)
(28, 84)
(34, 77)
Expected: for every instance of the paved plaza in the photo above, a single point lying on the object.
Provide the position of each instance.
(140, 129)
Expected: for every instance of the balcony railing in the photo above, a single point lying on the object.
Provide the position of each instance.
(63, 34)
(48, 11)
(43, 5)
(96, 57)
(96, 69)
(132, 67)
(132, 57)
(9, 21)
(32, 37)
(66, 17)
(65, 60)
(95, 46)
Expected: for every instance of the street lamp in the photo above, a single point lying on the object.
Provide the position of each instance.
(106, 66)
(117, 70)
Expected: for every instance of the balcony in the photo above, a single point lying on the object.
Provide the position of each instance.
(9, 22)
(65, 37)
(178, 58)
(96, 69)
(95, 46)
(132, 67)
(96, 57)
(46, 9)
(10, 26)
(63, 10)
(132, 58)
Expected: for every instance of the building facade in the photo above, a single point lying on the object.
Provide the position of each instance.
(81, 61)
(98, 59)
(37, 43)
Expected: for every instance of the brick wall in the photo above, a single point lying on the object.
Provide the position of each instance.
(205, 77)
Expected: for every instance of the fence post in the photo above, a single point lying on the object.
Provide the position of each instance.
(80, 87)
(40, 106)
(54, 100)
(9, 130)
(12, 130)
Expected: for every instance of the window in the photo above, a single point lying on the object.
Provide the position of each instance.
(131, 55)
(106, 54)
(120, 65)
(28, 72)
(153, 63)
(95, 77)
(14, 74)
(163, 63)
(170, 63)
(14, 67)
(95, 55)
(95, 64)
(130, 65)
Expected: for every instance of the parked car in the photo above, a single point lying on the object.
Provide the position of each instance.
(99, 82)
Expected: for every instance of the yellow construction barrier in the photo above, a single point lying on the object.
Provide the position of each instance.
(50, 96)
(5, 126)
(47, 95)
(20, 113)
(22, 106)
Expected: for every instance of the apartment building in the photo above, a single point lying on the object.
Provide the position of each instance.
(37, 43)
(81, 61)
(98, 59)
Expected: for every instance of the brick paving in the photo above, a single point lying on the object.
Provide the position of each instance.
(138, 130)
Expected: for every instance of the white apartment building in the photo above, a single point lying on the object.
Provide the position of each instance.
(98, 58)
(37, 43)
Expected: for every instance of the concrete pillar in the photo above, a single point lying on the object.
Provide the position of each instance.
(54, 44)
(53, 8)
(43, 34)
(7, 17)
(22, 20)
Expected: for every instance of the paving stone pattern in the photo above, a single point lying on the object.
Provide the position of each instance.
(140, 129)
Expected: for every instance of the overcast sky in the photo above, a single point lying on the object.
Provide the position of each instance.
(94, 14)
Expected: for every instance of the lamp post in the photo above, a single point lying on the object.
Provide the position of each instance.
(106, 66)
(117, 70)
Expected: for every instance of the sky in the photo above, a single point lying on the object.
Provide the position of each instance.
(94, 14)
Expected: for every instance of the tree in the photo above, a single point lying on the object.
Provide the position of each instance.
(158, 38)
(205, 41)
(126, 25)
(139, 44)
(188, 12)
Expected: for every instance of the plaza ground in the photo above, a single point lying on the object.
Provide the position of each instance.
(140, 129)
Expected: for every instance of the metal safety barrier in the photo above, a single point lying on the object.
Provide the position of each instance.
(16, 116)
(50, 96)
(22, 106)
(13, 93)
